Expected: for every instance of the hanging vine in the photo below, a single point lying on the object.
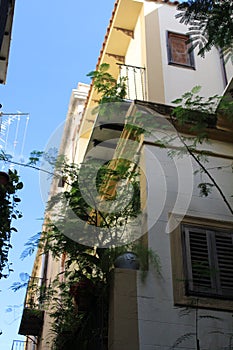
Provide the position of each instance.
(9, 185)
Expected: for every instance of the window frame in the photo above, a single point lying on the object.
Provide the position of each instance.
(189, 54)
(179, 272)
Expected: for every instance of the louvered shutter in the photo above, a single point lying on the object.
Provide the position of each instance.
(224, 249)
(208, 261)
(198, 263)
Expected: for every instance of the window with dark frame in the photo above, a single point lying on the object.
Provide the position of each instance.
(178, 50)
(208, 261)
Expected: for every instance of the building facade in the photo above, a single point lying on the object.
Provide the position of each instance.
(187, 303)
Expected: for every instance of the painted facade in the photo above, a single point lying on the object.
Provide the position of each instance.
(46, 268)
(170, 310)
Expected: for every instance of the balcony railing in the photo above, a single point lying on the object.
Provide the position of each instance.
(18, 345)
(136, 81)
(33, 313)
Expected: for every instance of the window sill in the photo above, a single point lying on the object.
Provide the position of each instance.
(179, 65)
(202, 303)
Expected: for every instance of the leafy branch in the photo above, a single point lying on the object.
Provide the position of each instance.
(9, 212)
(210, 24)
(105, 84)
(188, 103)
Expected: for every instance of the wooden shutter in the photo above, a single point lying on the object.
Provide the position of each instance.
(224, 249)
(178, 50)
(197, 260)
(208, 261)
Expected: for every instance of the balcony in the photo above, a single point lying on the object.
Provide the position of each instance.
(18, 345)
(33, 313)
(107, 131)
(136, 81)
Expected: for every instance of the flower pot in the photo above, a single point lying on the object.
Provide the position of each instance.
(127, 260)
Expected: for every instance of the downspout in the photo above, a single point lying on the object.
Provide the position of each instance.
(223, 66)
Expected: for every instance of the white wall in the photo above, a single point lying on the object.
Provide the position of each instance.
(160, 322)
(134, 55)
(177, 80)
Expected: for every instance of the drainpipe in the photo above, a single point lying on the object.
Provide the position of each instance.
(224, 73)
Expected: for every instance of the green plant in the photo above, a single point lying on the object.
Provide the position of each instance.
(210, 24)
(195, 110)
(74, 329)
(90, 265)
(105, 84)
(9, 212)
(94, 263)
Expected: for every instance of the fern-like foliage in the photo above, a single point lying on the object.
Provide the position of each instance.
(105, 84)
(31, 246)
(210, 24)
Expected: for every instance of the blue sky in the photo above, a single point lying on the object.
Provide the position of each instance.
(54, 45)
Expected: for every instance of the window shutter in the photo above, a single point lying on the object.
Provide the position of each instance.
(178, 50)
(199, 277)
(224, 248)
(208, 261)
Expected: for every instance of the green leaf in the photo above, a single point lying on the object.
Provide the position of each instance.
(19, 186)
(104, 67)
(177, 101)
(196, 89)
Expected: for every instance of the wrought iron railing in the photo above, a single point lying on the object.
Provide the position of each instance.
(18, 345)
(135, 81)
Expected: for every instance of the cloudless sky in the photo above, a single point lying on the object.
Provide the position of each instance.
(54, 45)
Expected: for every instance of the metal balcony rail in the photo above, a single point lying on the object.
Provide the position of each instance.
(18, 345)
(35, 293)
(135, 81)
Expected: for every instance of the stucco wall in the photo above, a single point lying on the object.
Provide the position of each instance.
(160, 322)
(167, 82)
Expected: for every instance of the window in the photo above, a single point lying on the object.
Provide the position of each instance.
(202, 263)
(178, 53)
(208, 260)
